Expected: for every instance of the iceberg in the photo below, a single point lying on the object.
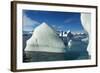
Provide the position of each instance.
(86, 23)
(44, 38)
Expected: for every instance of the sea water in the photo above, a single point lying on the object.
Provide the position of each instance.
(78, 51)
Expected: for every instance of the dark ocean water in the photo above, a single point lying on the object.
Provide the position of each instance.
(76, 52)
(47, 56)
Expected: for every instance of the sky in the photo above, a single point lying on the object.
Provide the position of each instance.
(61, 21)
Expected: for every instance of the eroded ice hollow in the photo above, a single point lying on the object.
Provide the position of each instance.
(45, 39)
(86, 23)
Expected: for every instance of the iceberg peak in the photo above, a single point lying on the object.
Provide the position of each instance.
(44, 24)
(45, 38)
(68, 31)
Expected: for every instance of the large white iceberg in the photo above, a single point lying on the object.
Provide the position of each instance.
(45, 38)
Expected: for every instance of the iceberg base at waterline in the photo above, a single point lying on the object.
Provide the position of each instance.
(72, 53)
(39, 56)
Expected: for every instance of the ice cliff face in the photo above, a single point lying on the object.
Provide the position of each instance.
(44, 38)
(86, 23)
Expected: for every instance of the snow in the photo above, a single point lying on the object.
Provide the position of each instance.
(86, 21)
(45, 38)
(68, 31)
(85, 39)
(69, 43)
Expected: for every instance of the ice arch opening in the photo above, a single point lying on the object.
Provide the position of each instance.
(86, 23)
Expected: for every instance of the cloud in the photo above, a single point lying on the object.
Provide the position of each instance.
(68, 20)
(28, 23)
(71, 20)
(54, 26)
